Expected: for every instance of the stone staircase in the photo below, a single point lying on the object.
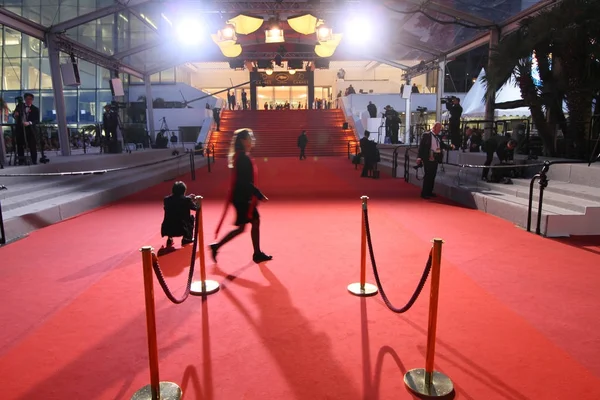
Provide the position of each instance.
(571, 201)
(32, 203)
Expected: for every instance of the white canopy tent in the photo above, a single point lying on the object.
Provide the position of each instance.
(474, 104)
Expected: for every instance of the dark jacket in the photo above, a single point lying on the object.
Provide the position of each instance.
(368, 149)
(497, 144)
(243, 187)
(302, 141)
(455, 111)
(178, 221)
(425, 146)
(33, 116)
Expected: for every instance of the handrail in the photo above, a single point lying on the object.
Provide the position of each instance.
(395, 161)
(543, 184)
(355, 148)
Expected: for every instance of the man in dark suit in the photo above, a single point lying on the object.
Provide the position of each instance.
(302, 142)
(217, 117)
(244, 100)
(503, 147)
(110, 122)
(455, 110)
(372, 109)
(368, 149)
(27, 116)
(430, 155)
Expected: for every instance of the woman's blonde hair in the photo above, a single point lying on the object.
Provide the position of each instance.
(236, 143)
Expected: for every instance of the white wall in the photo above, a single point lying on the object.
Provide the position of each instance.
(173, 93)
(382, 79)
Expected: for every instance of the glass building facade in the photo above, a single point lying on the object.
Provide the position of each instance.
(26, 68)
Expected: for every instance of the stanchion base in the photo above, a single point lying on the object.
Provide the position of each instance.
(440, 385)
(168, 391)
(200, 288)
(364, 291)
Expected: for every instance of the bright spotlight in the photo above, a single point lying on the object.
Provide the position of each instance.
(190, 32)
(228, 32)
(358, 31)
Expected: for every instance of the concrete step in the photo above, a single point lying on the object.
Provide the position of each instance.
(58, 186)
(30, 216)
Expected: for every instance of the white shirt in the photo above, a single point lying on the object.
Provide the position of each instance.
(435, 143)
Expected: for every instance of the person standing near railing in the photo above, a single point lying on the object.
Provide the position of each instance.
(27, 116)
(430, 155)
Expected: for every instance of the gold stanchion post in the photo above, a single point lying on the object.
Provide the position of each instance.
(428, 382)
(156, 390)
(362, 288)
(202, 287)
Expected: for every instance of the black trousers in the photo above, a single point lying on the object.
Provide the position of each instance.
(302, 155)
(430, 171)
(25, 137)
(455, 133)
(488, 161)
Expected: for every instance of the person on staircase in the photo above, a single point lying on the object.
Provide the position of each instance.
(244, 100)
(243, 194)
(302, 142)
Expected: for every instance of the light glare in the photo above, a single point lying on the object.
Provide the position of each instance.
(358, 30)
(190, 32)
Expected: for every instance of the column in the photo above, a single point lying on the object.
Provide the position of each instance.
(490, 100)
(59, 97)
(407, 118)
(149, 107)
(253, 77)
(440, 88)
(311, 88)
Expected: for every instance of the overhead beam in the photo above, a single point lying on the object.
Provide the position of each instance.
(388, 62)
(372, 65)
(143, 20)
(71, 46)
(448, 11)
(481, 40)
(21, 24)
(119, 6)
(513, 23)
(270, 7)
(138, 49)
(418, 45)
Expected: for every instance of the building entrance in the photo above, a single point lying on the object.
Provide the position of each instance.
(279, 96)
(281, 88)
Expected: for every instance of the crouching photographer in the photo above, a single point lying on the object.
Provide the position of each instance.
(503, 147)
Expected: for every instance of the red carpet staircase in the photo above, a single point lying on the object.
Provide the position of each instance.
(277, 132)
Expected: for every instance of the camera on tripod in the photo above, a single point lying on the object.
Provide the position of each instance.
(421, 110)
(449, 99)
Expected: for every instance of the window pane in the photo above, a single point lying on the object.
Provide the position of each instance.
(47, 110)
(168, 76)
(30, 73)
(31, 46)
(134, 80)
(71, 105)
(103, 78)
(87, 107)
(11, 76)
(9, 98)
(11, 43)
(104, 98)
(155, 78)
(87, 73)
(46, 76)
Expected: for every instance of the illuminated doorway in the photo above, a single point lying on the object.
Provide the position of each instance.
(273, 96)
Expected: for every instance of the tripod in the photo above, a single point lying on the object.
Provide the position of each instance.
(381, 127)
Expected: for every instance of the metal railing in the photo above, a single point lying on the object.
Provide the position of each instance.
(542, 177)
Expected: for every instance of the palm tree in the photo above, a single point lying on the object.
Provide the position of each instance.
(565, 40)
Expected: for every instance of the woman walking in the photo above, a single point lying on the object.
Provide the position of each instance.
(243, 194)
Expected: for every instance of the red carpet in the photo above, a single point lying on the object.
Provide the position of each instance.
(518, 316)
